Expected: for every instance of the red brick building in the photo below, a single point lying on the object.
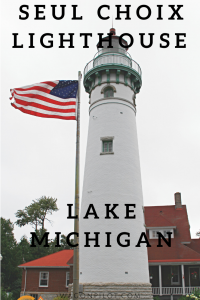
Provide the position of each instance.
(174, 270)
(47, 276)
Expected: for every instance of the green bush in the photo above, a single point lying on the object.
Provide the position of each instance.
(182, 298)
(156, 298)
(61, 297)
(6, 296)
(193, 296)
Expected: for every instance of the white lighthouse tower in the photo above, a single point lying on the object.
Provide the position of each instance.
(112, 217)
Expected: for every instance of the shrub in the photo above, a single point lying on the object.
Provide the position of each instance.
(156, 298)
(194, 296)
(61, 297)
(6, 296)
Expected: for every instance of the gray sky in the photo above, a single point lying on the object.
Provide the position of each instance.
(38, 155)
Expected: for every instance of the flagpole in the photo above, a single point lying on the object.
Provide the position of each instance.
(76, 221)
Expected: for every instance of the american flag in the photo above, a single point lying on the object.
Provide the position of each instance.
(49, 99)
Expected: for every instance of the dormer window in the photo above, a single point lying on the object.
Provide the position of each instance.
(165, 233)
(153, 232)
(108, 92)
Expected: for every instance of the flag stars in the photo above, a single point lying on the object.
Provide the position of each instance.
(65, 89)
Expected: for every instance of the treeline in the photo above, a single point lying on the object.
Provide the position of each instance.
(15, 253)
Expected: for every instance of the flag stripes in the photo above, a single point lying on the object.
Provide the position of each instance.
(50, 84)
(36, 99)
(41, 96)
(30, 111)
(52, 107)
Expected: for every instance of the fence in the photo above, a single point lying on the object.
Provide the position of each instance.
(173, 290)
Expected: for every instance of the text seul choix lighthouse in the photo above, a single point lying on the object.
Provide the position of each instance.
(112, 218)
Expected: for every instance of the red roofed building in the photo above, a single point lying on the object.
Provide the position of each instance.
(48, 276)
(174, 270)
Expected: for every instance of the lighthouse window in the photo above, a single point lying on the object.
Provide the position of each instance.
(108, 92)
(107, 146)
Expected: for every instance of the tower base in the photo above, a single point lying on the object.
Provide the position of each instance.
(115, 291)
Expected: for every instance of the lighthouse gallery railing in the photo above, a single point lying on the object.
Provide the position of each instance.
(113, 51)
(112, 59)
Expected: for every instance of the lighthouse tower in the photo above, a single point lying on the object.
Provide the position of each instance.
(112, 217)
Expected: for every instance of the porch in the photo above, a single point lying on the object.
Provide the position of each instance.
(173, 279)
(157, 291)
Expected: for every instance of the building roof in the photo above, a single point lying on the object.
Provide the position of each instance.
(159, 221)
(164, 216)
(58, 259)
(195, 245)
(71, 261)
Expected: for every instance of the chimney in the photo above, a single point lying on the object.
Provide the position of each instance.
(177, 198)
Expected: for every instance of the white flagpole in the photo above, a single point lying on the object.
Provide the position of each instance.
(76, 221)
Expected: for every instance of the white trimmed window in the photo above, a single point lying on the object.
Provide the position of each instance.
(165, 233)
(175, 278)
(67, 278)
(153, 233)
(108, 92)
(107, 145)
(44, 279)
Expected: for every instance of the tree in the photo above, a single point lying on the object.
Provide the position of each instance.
(36, 213)
(25, 250)
(63, 244)
(4, 295)
(10, 259)
(15, 254)
(39, 250)
(30, 215)
(47, 206)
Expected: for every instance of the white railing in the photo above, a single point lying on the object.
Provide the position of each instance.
(173, 290)
(191, 289)
(112, 50)
(156, 290)
(112, 58)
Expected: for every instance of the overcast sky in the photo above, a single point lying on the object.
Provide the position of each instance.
(38, 155)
